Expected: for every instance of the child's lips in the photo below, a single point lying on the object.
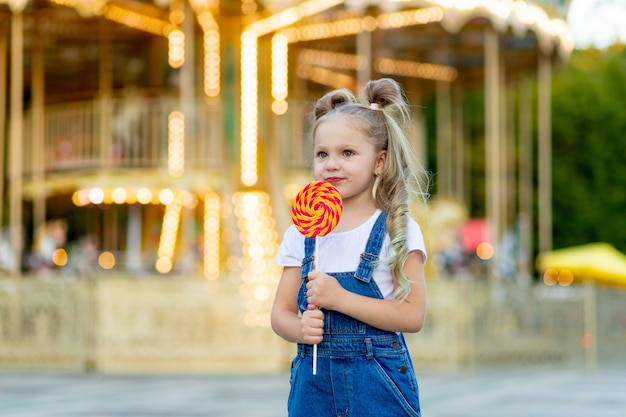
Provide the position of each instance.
(333, 180)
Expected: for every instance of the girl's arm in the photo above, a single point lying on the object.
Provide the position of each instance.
(392, 315)
(286, 320)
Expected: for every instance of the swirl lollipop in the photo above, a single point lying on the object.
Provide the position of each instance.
(317, 209)
(316, 212)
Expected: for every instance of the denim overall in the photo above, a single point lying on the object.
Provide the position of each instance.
(362, 371)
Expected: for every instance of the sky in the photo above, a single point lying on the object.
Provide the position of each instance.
(597, 23)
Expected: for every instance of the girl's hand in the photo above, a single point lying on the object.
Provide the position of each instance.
(323, 290)
(312, 325)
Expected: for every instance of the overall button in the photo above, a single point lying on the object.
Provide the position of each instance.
(402, 369)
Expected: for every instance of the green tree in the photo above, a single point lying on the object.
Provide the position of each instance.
(589, 149)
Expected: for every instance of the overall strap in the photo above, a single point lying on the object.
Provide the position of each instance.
(372, 250)
(309, 256)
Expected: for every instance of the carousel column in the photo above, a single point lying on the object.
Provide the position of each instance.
(544, 138)
(502, 166)
(16, 137)
(444, 140)
(133, 239)
(525, 187)
(109, 239)
(189, 108)
(105, 92)
(418, 120)
(458, 139)
(492, 146)
(187, 77)
(3, 95)
(364, 56)
(506, 196)
(38, 157)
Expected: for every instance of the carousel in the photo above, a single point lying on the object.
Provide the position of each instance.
(166, 138)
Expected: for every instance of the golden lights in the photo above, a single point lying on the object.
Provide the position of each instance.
(144, 196)
(169, 231)
(279, 73)
(132, 195)
(177, 12)
(249, 112)
(136, 20)
(212, 62)
(259, 239)
(310, 60)
(59, 257)
(485, 250)
(248, 6)
(205, 10)
(563, 277)
(174, 202)
(416, 69)
(326, 77)
(212, 214)
(334, 60)
(106, 260)
(291, 15)
(176, 144)
(406, 18)
(176, 51)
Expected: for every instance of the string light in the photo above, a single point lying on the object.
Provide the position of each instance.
(326, 77)
(249, 112)
(176, 144)
(176, 50)
(136, 20)
(259, 240)
(167, 242)
(205, 12)
(212, 62)
(415, 69)
(279, 73)
(212, 236)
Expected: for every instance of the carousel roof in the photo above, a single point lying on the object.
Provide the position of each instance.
(409, 38)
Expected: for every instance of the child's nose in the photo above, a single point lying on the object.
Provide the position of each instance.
(332, 163)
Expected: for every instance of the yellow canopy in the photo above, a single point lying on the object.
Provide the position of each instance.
(598, 262)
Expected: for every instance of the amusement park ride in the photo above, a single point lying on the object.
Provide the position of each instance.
(149, 150)
(171, 134)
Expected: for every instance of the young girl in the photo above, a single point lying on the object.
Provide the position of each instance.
(370, 284)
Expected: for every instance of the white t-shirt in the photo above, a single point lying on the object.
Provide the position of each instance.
(340, 252)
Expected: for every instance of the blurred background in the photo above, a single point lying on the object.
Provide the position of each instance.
(150, 151)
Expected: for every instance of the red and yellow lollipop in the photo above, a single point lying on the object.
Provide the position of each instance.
(317, 209)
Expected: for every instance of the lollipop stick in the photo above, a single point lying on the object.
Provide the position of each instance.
(315, 359)
(315, 265)
(316, 262)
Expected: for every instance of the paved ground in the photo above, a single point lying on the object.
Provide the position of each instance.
(499, 393)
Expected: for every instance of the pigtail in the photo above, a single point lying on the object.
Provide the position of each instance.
(332, 100)
(403, 176)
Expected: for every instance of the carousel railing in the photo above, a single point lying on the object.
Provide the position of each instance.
(132, 132)
(111, 323)
(127, 132)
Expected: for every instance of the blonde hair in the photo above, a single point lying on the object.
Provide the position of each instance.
(383, 114)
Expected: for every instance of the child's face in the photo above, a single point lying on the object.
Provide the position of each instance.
(345, 157)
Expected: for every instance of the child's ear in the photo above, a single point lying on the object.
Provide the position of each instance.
(380, 163)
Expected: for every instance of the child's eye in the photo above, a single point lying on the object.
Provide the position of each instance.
(321, 154)
(348, 153)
